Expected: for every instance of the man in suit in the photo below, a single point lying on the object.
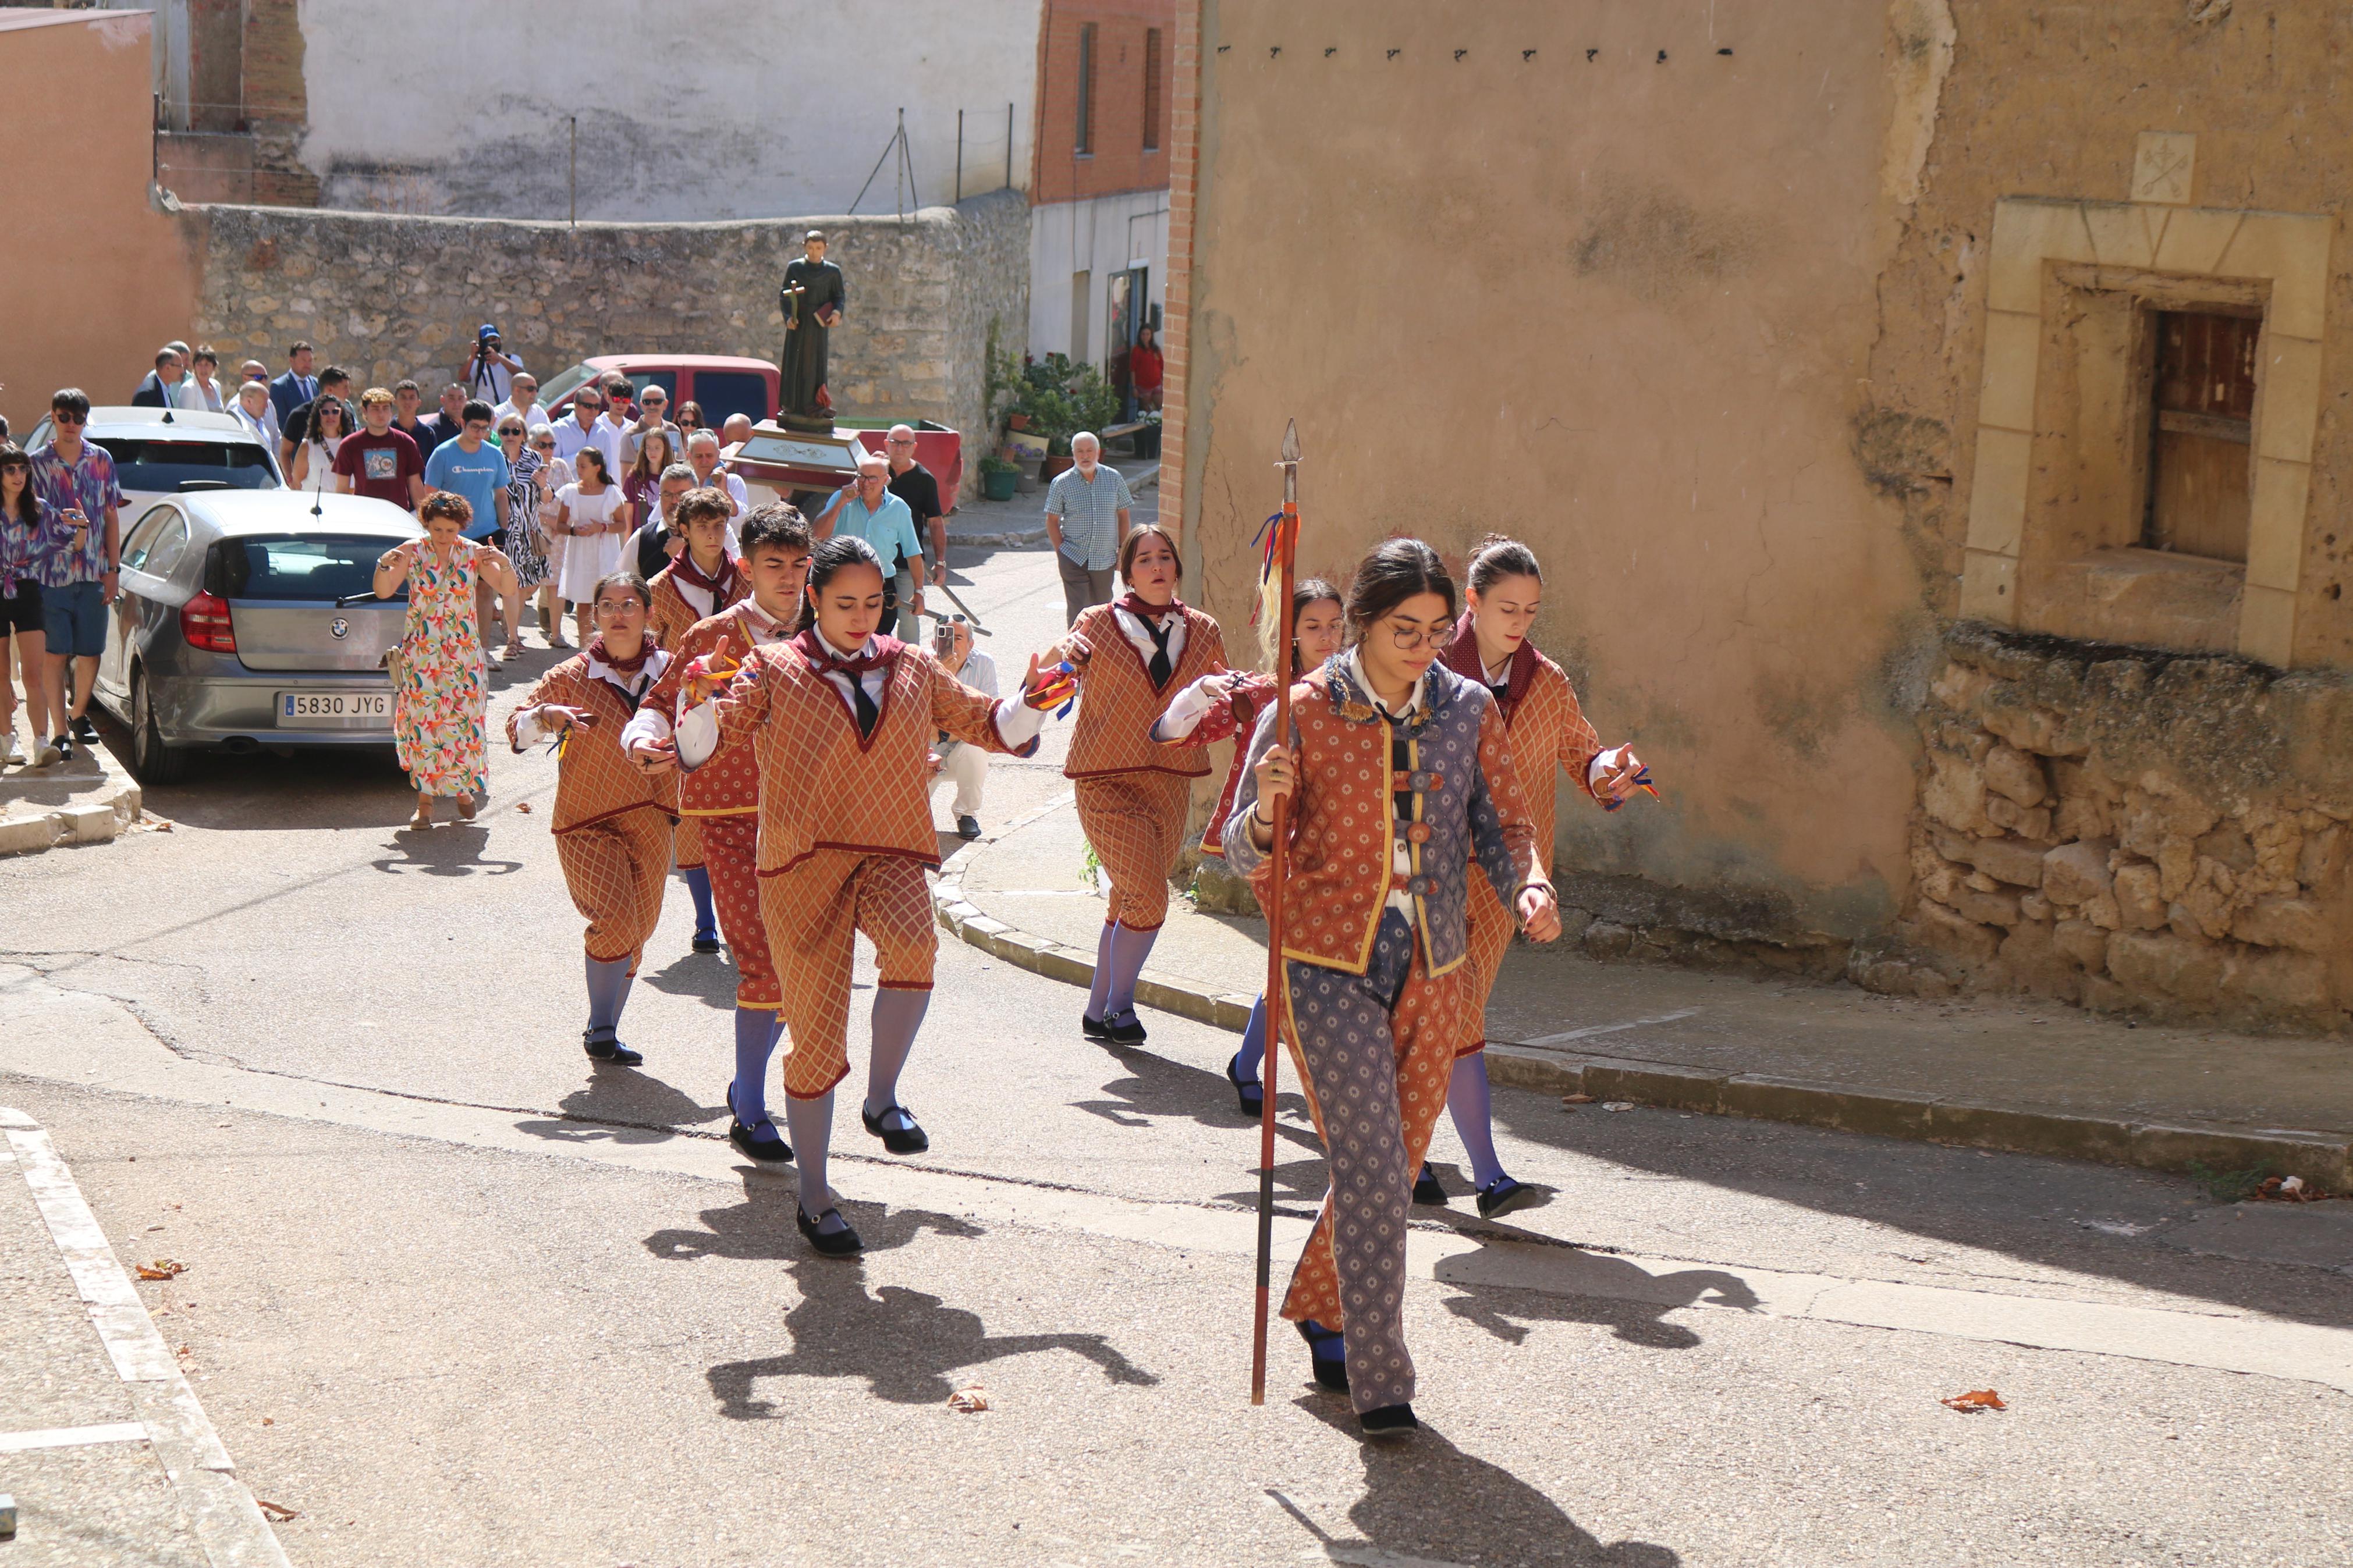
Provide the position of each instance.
(161, 387)
(296, 388)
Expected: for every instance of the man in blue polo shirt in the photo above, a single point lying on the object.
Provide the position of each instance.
(870, 511)
(473, 467)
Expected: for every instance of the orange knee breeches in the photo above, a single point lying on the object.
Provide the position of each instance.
(731, 847)
(1490, 935)
(615, 869)
(1136, 824)
(687, 848)
(812, 911)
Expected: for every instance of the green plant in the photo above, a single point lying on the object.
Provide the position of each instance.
(2229, 1186)
(1001, 380)
(993, 464)
(1062, 398)
(1091, 869)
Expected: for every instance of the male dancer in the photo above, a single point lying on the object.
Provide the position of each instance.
(723, 796)
(698, 583)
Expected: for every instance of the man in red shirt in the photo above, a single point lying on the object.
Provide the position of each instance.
(379, 460)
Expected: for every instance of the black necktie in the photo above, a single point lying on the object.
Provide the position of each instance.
(1160, 669)
(861, 703)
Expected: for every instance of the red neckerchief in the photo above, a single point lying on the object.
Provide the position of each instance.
(1462, 656)
(812, 648)
(603, 654)
(1144, 612)
(719, 587)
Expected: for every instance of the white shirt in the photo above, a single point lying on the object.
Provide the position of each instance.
(651, 725)
(1400, 855)
(1189, 707)
(571, 435)
(732, 487)
(535, 415)
(1131, 626)
(193, 396)
(491, 381)
(613, 440)
(529, 730)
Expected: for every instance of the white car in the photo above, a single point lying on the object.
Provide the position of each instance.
(170, 451)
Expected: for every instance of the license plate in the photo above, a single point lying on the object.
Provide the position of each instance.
(334, 709)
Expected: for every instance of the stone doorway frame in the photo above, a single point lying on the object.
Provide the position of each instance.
(2288, 252)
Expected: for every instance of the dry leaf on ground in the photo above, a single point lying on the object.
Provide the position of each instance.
(971, 1401)
(162, 1268)
(523, 807)
(1576, 1099)
(278, 1511)
(1976, 1399)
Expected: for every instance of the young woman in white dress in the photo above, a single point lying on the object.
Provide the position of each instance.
(592, 518)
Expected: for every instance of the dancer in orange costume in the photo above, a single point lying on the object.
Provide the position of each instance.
(722, 798)
(840, 721)
(700, 581)
(1133, 656)
(612, 823)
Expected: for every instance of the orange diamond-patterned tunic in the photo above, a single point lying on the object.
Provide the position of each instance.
(612, 823)
(721, 801)
(677, 606)
(1133, 794)
(845, 830)
(1548, 730)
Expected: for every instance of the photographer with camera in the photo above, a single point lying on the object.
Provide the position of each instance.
(965, 766)
(489, 374)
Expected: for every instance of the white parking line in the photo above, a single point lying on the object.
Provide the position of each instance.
(72, 1437)
(1568, 1035)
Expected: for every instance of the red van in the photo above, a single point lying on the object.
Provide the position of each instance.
(723, 385)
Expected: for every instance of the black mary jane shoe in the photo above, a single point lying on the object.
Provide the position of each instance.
(1127, 1032)
(1092, 1028)
(605, 1047)
(772, 1148)
(837, 1243)
(1330, 1369)
(1426, 1190)
(1501, 1195)
(706, 944)
(908, 1139)
(1388, 1421)
(1251, 1095)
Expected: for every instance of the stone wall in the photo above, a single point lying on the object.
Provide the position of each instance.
(388, 296)
(2139, 832)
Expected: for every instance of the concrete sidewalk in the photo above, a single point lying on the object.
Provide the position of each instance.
(88, 800)
(104, 1451)
(2035, 1077)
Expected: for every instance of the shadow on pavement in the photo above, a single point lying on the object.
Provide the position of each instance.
(904, 1343)
(706, 977)
(1157, 1087)
(1622, 1297)
(451, 849)
(625, 1106)
(1426, 1498)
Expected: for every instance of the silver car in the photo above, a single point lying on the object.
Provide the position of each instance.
(248, 623)
(165, 451)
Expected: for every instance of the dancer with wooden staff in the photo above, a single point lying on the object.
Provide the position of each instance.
(1371, 984)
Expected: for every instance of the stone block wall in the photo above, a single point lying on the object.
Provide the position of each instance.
(2140, 832)
(388, 295)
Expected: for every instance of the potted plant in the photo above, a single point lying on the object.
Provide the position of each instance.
(997, 477)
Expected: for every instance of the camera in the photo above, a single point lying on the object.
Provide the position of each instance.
(943, 635)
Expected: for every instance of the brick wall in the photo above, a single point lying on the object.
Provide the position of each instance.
(277, 108)
(1119, 161)
(1183, 148)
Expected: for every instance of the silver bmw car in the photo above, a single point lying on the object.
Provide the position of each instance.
(248, 623)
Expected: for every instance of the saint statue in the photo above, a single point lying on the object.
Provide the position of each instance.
(811, 300)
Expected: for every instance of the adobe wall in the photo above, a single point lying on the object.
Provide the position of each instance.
(389, 296)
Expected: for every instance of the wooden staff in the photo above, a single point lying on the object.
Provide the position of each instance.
(1283, 551)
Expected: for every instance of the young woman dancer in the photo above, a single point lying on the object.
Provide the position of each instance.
(612, 821)
(700, 581)
(1133, 656)
(1216, 706)
(840, 721)
(1385, 743)
(722, 798)
(1547, 730)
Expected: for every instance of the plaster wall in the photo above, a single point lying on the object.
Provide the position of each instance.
(1098, 237)
(1567, 271)
(97, 274)
(724, 108)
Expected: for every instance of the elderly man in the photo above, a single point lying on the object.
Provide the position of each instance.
(1087, 508)
(580, 429)
(522, 402)
(252, 410)
(653, 414)
(965, 767)
(653, 546)
(160, 389)
(913, 483)
(738, 428)
(870, 511)
(703, 457)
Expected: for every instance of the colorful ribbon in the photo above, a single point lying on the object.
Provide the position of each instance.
(1641, 782)
(1057, 684)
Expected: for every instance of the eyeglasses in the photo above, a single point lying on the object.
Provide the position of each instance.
(477, 427)
(1408, 637)
(13, 464)
(510, 434)
(545, 445)
(70, 418)
(653, 397)
(900, 441)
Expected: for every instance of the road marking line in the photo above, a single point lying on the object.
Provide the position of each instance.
(72, 1437)
(228, 1525)
(1568, 1035)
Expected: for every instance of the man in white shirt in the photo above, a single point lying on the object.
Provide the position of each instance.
(703, 457)
(611, 433)
(523, 402)
(580, 429)
(966, 767)
(490, 372)
(252, 410)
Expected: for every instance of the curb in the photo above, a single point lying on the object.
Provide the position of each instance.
(2325, 1160)
(26, 829)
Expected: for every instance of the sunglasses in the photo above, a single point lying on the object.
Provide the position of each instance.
(15, 464)
(70, 418)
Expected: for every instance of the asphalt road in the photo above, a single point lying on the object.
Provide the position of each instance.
(482, 1304)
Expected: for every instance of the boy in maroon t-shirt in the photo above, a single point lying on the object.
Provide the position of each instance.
(379, 460)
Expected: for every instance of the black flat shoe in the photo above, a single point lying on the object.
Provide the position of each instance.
(839, 1244)
(1388, 1421)
(908, 1139)
(967, 827)
(1129, 1033)
(1251, 1095)
(1426, 1190)
(1330, 1369)
(706, 944)
(1501, 1195)
(64, 744)
(771, 1148)
(85, 731)
(606, 1048)
(1092, 1028)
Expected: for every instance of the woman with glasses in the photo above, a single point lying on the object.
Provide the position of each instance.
(29, 528)
(1133, 656)
(1389, 748)
(523, 545)
(314, 456)
(690, 419)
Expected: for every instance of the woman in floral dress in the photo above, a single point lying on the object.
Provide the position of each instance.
(524, 546)
(442, 688)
